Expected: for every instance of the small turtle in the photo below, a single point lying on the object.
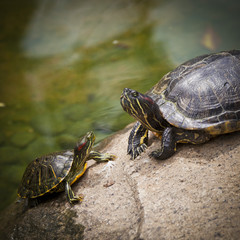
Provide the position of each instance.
(56, 172)
(198, 100)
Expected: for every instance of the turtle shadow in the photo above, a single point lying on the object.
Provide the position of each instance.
(215, 147)
(210, 150)
(29, 203)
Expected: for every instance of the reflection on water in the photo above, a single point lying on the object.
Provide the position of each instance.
(60, 26)
(64, 64)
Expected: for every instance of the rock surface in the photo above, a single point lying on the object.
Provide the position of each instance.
(193, 195)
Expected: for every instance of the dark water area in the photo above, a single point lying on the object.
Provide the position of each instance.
(64, 64)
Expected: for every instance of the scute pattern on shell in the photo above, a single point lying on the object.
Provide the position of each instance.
(45, 173)
(203, 93)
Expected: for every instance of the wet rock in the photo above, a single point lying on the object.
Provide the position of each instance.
(36, 224)
(192, 195)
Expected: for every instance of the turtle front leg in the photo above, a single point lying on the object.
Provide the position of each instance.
(138, 140)
(101, 157)
(168, 146)
(171, 136)
(70, 194)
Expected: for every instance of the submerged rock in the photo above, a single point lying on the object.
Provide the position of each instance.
(22, 138)
(48, 124)
(192, 195)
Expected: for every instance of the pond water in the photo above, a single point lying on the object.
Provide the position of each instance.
(64, 63)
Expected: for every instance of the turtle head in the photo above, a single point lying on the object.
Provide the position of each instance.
(84, 145)
(143, 108)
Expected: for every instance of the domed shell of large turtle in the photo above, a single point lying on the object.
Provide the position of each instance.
(44, 174)
(202, 93)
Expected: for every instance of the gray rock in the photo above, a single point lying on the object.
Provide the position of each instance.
(192, 195)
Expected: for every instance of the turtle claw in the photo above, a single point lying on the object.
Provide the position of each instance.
(154, 154)
(107, 157)
(110, 157)
(137, 151)
(101, 157)
(76, 200)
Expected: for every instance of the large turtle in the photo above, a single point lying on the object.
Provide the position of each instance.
(57, 171)
(198, 100)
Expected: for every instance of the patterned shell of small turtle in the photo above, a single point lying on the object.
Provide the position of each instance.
(45, 173)
(203, 93)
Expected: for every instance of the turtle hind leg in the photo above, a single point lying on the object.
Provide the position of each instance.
(70, 194)
(171, 136)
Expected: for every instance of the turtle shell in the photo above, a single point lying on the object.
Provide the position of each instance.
(202, 93)
(45, 174)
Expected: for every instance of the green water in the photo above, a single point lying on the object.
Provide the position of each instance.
(63, 65)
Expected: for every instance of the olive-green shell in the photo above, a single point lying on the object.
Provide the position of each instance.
(45, 174)
(202, 93)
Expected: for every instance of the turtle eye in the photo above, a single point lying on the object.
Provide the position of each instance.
(134, 94)
(81, 146)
